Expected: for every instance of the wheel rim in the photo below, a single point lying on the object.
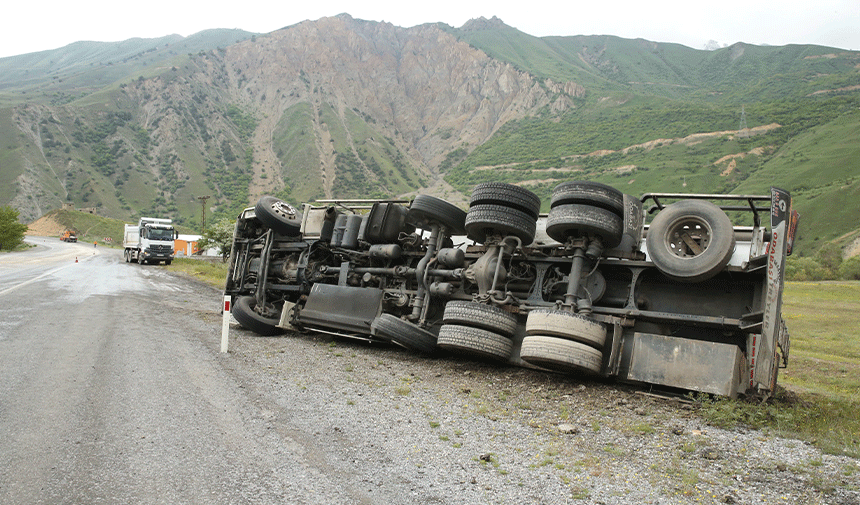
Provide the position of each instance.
(283, 209)
(688, 237)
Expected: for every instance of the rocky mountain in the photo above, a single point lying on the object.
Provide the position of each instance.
(341, 107)
(334, 107)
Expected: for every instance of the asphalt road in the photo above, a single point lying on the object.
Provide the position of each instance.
(112, 390)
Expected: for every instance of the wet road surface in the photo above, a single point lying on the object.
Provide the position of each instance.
(112, 391)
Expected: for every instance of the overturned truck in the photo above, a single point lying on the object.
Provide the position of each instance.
(665, 289)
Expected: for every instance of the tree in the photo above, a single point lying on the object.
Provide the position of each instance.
(830, 258)
(11, 231)
(220, 235)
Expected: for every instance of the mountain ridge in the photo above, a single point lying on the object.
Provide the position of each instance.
(351, 108)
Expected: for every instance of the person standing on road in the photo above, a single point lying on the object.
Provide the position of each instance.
(95, 243)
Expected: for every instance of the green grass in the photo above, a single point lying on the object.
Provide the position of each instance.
(820, 394)
(210, 272)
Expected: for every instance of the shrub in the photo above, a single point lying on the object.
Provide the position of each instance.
(803, 269)
(830, 258)
(11, 231)
(850, 269)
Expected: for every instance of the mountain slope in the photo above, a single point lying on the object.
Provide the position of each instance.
(84, 67)
(333, 107)
(341, 107)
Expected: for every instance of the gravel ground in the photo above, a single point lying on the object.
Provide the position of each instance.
(402, 428)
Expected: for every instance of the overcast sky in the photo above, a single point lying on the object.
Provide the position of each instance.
(49, 24)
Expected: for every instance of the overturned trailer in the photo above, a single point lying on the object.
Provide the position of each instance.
(664, 289)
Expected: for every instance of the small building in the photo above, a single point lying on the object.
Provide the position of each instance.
(186, 245)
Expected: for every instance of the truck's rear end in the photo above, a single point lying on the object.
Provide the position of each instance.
(722, 335)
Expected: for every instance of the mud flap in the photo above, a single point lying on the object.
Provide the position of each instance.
(709, 367)
(346, 308)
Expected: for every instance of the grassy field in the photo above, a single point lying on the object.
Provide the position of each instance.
(820, 390)
(819, 395)
(824, 364)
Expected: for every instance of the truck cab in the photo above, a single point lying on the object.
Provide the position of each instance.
(150, 241)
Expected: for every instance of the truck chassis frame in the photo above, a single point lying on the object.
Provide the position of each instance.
(583, 289)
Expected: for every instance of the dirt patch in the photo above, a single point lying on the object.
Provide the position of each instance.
(852, 249)
(46, 226)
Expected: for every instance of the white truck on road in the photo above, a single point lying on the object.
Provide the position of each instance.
(149, 241)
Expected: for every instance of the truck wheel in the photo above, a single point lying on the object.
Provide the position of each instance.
(691, 240)
(588, 193)
(126, 256)
(558, 323)
(140, 260)
(243, 311)
(168, 262)
(561, 354)
(279, 216)
(576, 220)
(478, 315)
(403, 333)
(483, 219)
(426, 209)
(508, 195)
(474, 342)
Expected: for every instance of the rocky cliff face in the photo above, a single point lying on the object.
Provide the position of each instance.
(420, 86)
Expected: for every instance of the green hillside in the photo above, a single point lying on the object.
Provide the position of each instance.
(73, 71)
(146, 126)
(820, 168)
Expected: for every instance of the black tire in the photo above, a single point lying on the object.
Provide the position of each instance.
(281, 217)
(588, 193)
(243, 311)
(465, 340)
(558, 323)
(478, 315)
(484, 219)
(577, 220)
(425, 210)
(403, 333)
(168, 262)
(126, 255)
(561, 354)
(140, 260)
(508, 195)
(691, 240)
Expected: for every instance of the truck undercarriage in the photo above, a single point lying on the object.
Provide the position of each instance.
(689, 300)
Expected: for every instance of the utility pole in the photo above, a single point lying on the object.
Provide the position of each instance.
(203, 216)
(743, 130)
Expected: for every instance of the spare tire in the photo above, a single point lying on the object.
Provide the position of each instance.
(691, 240)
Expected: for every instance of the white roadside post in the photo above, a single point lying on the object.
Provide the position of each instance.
(225, 324)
